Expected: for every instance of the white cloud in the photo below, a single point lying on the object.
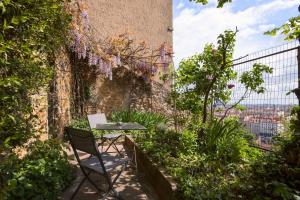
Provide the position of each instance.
(194, 28)
(180, 5)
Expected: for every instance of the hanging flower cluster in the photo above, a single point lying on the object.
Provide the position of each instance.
(113, 52)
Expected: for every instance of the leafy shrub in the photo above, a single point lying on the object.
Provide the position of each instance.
(160, 145)
(42, 174)
(270, 176)
(227, 140)
(148, 119)
(277, 174)
(208, 169)
(31, 33)
(82, 123)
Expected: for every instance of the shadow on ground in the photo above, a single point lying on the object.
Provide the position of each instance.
(129, 185)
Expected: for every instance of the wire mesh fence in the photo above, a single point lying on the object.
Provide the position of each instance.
(265, 114)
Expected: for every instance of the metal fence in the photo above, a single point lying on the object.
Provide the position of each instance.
(265, 114)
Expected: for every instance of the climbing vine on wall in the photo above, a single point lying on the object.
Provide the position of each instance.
(91, 57)
(30, 33)
(113, 52)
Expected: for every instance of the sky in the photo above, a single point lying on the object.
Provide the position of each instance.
(195, 24)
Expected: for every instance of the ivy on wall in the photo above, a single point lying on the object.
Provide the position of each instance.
(30, 33)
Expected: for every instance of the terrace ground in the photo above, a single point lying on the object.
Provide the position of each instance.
(130, 184)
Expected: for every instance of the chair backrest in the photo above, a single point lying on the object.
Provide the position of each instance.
(82, 140)
(95, 119)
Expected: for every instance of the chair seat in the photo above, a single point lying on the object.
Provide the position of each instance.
(110, 162)
(111, 135)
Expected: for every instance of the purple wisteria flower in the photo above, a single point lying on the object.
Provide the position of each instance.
(79, 55)
(145, 78)
(95, 59)
(109, 71)
(153, 70)
(84, 52)
(118, 59)
(85, 20)
(77, 39)
(100, 65)
(104, 68)
(210, 78)
(143, 64)
(162, 53)
(90, 58)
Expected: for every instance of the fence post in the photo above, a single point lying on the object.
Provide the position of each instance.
(298, 59)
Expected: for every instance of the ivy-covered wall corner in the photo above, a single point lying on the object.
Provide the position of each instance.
(60, 94)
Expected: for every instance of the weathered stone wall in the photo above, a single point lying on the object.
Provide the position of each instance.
(144, 20)
(39, 103)
(128, 91)
(60, 94)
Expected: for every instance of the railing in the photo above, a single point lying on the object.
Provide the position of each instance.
(266, 114)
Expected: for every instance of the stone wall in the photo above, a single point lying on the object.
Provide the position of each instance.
(144, 20)
(128, 91)
(60, 94)
(39, 103)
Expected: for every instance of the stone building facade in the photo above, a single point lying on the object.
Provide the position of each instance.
(144, 20)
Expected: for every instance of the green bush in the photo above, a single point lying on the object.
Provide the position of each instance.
(277, 174)
(148, 119)
(42, 174)
(227, 141)
(161, 145)
(82, 123)
(30, 34)
(206, 169)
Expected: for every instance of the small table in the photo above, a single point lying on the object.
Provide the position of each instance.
(121, 126)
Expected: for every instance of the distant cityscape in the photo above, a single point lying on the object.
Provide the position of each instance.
(265, 121)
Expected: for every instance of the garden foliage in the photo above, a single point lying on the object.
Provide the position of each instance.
(30, 33)
(43, 173)
(219, 5)
(213, 157)
(224, 165)
(204, 80)
(148, 119)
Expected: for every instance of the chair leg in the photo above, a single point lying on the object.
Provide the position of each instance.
(118, 175)
(117, 194)
(78, 187)
(111, 189)
(90, 180)
(116, 148)
(101, 144)
(112, 142)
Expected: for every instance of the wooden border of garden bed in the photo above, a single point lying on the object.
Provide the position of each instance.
(162, 184)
